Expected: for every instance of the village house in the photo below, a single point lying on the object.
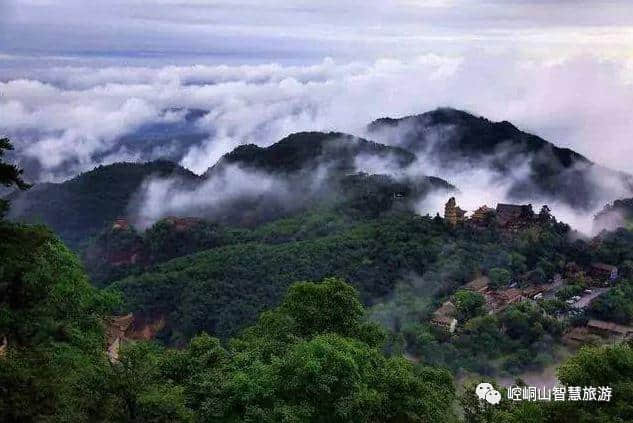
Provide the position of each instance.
(504, 298)
(579, 335)
(452, 213)
(603, 272)
(444, 317)
(479, 285)
(537, 291)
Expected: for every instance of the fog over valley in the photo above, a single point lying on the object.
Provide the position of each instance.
(195, 114)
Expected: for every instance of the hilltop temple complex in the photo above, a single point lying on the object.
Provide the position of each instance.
(511, 217)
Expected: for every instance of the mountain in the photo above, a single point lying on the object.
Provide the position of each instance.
(307, 151)
(532, 167)
(174, 133)
(80, 207)
(616, 215)
(305, 169)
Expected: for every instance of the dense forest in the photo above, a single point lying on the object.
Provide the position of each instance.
(315, 357)
(323, 315)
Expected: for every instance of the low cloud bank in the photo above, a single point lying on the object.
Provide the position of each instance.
(67, 120)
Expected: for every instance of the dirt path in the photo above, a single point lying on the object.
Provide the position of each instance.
(587, 299)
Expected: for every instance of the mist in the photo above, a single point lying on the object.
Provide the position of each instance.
(66, 120)
(70, 119)
(233, 194)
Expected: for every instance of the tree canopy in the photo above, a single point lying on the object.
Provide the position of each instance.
(10, 175)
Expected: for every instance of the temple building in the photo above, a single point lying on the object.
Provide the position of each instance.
(482, 216)
(514, 217)
(452, 213)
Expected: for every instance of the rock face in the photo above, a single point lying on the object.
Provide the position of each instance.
(115, 334)
(120, 329)
(452, 213)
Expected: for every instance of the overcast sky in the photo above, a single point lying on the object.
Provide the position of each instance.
(308, 30)
(83, 73)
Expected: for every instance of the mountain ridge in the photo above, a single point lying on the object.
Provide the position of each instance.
(79, 208)
(455, 139)
(304, 149)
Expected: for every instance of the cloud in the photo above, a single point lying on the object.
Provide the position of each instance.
(303, 31)
(81, 113)
(233, 194)
(69, 119)
(160, 197)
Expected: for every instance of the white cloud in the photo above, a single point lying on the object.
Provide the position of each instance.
(79, 113)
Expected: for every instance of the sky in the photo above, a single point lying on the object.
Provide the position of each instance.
(303, 31)
(76, 76)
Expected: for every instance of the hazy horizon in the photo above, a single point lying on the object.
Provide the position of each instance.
(73, 75)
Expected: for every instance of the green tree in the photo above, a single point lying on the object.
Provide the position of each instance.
(10, 175)
(499, 277)
(604, 366)
(615, 305)
(51, 318)
(287, 368)
(469, 304)
(140, 392)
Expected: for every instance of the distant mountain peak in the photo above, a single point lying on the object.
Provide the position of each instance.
(308, 150)
(452, 138)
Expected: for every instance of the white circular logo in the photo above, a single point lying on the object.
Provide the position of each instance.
(482, 389)
(493, 397)
(488, 392)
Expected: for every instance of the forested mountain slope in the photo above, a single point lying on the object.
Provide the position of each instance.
(302, 171)
(81, 207)
(307, 151)
(532, 167)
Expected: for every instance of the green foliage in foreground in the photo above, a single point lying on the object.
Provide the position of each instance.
(51, 318)
(312, 359)
(610, 366)
(10, 175)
